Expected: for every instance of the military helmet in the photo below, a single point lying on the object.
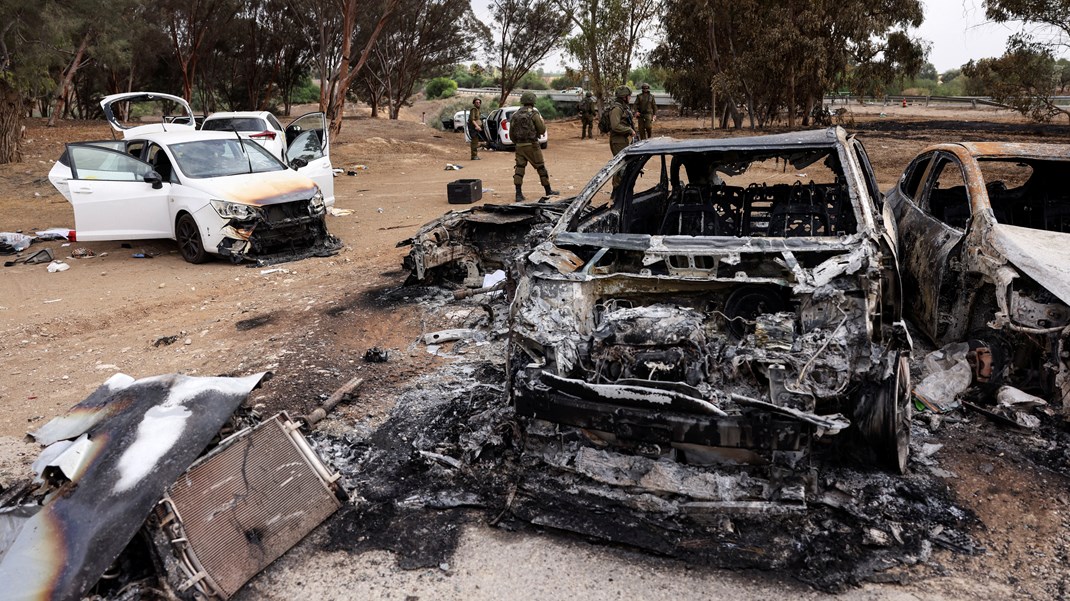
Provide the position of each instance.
(477, 99)
(589, 94)
(527, 98)
(624, 92)
(646, 86)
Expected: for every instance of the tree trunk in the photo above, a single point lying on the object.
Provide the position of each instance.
(346, 73)
(65, 82)
(10, 123)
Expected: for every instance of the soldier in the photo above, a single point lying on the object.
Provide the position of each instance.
(525, 127)
(647, 109)
(587, 109)
(621, 128)
(475, 127)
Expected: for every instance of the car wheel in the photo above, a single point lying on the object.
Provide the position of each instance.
(544, 145)
(888, 425)
(188, 235)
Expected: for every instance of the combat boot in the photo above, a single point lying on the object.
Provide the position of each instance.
(519, 195)
(549, 192)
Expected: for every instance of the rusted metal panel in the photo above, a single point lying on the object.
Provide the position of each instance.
(244, 505)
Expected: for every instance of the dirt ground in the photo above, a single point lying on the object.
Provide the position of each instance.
(63, 334)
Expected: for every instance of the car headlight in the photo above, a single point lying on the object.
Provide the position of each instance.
(233, 210)
(315, 204)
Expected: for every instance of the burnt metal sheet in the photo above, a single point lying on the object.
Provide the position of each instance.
(245, 504)
(1042, 255)
(142, 434)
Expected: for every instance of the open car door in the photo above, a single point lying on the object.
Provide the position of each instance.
(308, 150)
(115, 196)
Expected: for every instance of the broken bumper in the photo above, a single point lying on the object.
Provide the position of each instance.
(664, 417)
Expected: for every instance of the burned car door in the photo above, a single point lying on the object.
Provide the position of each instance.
(308, 150)
(116, 196)
(932, 222)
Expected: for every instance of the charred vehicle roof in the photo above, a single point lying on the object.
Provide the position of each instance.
(985, 245)
(730, 301)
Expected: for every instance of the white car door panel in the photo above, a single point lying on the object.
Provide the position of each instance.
(307, 139)
(112, 200)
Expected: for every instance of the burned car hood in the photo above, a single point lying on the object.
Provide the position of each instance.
(115, 454)
(257, 189)
(1040, 254)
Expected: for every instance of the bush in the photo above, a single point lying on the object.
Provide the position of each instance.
(440, 87)
(531, 81)
(546, 107)
(305, 92)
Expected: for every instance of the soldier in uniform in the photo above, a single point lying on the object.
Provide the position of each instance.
(647, 109)
(525, 127)
(587, 116)
(621, 128)
(475, 127)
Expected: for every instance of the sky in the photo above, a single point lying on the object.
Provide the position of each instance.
(956, 30)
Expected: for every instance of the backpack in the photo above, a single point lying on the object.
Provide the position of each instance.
(523, 126)
(603, 120)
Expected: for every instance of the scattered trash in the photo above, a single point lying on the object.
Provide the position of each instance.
(42, 256)
(1016, 404)
(452, 167)
(379, 210)
(332, 401)
(376, 355)
(82, 253)
(57, 266)
(948, 375)
(488, 190)
(165, 340)
(11, 242)
(336, 212)
(55, 233)
(275, 270)
(142, 256)
(453, 335)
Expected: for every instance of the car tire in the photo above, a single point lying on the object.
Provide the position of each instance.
(188, 235)
(889, 430)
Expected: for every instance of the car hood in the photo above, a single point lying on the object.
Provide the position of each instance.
(259, 189)
(1040, 254)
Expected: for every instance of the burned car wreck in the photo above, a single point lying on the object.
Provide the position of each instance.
(985, 233)
(730, 302)
(463, 245)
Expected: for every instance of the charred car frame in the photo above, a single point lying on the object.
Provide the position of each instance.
(985, 245)
(721, 305)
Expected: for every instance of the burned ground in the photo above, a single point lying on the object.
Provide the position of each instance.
(62, 334)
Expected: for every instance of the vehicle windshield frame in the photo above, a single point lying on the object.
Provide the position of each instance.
(255, 160)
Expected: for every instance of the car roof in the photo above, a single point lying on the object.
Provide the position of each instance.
(232, 114)
(187, 135)
(1007, 149)
(801, 139)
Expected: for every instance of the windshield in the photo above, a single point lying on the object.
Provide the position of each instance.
(219, 158)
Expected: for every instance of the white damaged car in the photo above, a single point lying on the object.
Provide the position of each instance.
(213, 192)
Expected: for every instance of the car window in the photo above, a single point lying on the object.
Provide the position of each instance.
(218, 158)
(275, 125)
(135, 148)
(234, 124)
(910, 183)
(947, 198)
(161, 163)
(1028, 192)
(64, 159)
(96, 163)
(305, 146)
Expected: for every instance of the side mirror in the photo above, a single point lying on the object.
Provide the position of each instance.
(153, 178)
(298, 163)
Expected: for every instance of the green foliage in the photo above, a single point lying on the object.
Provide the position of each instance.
(448, 110)
(1025, 78)
(546, 107)
(527, 31)
(562, 82)
(471, 76)
(655, 76)
(532, 80)
(440, 87)
(305, 92)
